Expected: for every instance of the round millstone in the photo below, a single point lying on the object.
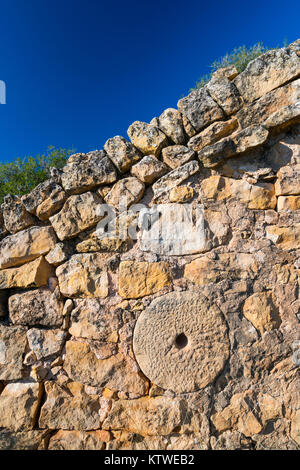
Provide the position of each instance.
(180, 342)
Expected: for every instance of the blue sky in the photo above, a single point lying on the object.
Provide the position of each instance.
(80, 71)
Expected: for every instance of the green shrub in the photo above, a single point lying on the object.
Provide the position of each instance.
(240, 57)
(22, 175)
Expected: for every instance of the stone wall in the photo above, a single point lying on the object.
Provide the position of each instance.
(180, 328)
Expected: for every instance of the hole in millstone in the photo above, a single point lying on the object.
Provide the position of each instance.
(181, 341)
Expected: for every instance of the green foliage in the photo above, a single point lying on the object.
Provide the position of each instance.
(239, 57)
(22, 175)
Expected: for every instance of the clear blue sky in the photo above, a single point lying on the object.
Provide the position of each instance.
(80, 71)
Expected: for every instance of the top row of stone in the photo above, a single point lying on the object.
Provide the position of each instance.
(230, 104)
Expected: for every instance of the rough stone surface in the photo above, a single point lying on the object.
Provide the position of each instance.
(149, 169)
(261, 310)
(84, 275)
(69, 408)
(89, 319)
(33, 274)
(12, 348)
(77, 440)
(288, 181)
(19, 404)
(45, 200)
(87, 171)
(177, 155)
(158, 416)
(15, 215)
(26, 245)
(224, 92)
(126, 192)
(149, 139)
(242, 141)
(191, 344)
(269, 71)
(212, 134)
(78, 213)
(36, 307)
(23, 440)
(45, 342)
(140, 279)
(181, 194)
(170, 122)
(200, 109)
(174, 178)
(122, 153)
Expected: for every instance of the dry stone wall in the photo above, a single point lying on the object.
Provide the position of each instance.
(149, 292)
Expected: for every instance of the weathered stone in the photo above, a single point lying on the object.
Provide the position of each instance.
(69, 408)
(258, 111)
(33, 274)
(82, 365)
(189, 129)
(170, 122)
(295, 427)
(260, 309)
(3, 229)
(87, 171)
(288, 203)
(26, 245)
(270, 70)
(224, 92)
(283, 118)
(191, 344)
(59, 254)
(295, 46)
(212, 134)
(45, 342)
(23, 440)
(140, 279)
(90, 319)
(174, 229)
(12, 348)
(239, 415)
(200, 109)
(204, 270)
(114, 236)
(15, 215)
(174, 178)
(288, 181)
(36, 307)
(19, 405)
(240, 142)
(229, 72)
(177, 155)
(181, 194)
(122, 153)
(146, 416)
(149, 139)
(84, 275)
(149, 169)
(125, 192)
(259, 196)
(78, 213)
(286, 238)
(44, 200)
(76, 440)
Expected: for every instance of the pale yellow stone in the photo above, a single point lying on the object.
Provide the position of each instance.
(287, 238)
(288, 203)
(33, 274)
(19, 404)
(259, 196)
(25, 246)
(261, 310)
(140, 279)
(181, 194)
